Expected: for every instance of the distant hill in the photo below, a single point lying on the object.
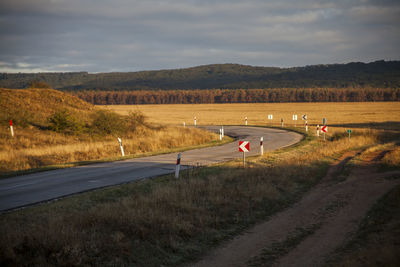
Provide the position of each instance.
(381, 74)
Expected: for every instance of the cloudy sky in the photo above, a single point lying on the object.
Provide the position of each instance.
(133, 35)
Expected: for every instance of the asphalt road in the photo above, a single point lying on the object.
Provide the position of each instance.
(34, 188)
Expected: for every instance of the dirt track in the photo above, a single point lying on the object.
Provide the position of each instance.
(333, 210)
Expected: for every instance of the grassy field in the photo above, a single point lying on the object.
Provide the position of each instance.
(382, 115)
(54, 128)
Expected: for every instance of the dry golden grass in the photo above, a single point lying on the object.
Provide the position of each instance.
(167, 221)
(233, 114)
(34, 145)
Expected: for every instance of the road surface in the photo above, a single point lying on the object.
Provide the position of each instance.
(29, 189)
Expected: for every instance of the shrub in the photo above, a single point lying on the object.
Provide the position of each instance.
(63, 122)
(107, 122)
(135, 119)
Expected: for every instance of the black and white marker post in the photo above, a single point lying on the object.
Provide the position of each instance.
(306, 126)
(120, 145)
(318, 130)
(245, 121)
(11, 128)
(261, 146)
(195, 120)
(178, 166)
(281, 123)
(222, 128)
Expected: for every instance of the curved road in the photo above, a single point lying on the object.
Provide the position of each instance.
(38, 187)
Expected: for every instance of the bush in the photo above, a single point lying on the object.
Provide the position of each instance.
(107, 122)
(63, 122)
(135, 119)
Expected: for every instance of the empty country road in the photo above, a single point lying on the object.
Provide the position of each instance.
(29, 189)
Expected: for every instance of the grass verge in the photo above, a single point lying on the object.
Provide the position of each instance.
(165, 221)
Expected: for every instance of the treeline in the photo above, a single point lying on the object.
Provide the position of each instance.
(240, 96)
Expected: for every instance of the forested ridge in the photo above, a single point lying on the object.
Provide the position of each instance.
(378, 74)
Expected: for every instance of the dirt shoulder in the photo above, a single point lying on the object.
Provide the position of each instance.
(306, 233)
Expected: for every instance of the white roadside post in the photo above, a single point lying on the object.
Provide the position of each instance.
(184, 124)
(318, 130)
(220, 134)
(178, 166)
(222, 128)
(195, 121)
(261, 146)
(120, 145)
(11, 128)
(306, 126)
(281, 123)
(245, 121)
(295, 119)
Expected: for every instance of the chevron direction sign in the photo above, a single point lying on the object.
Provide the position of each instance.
(324, 129)
(244, 146)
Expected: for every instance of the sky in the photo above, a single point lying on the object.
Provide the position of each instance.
(135, 35)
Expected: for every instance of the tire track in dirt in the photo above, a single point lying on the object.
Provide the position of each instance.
(335, 206)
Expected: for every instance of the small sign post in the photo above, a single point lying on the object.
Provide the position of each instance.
(324, 121)
(120, 145)
(178, 166)
(295, 119)
(11, 128)
(270, 117)
(349, 132)
(244, 146)
(261, 146)
(324, 129)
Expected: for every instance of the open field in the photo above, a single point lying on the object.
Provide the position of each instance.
(165, 221)
(360, 114)
(54, 128)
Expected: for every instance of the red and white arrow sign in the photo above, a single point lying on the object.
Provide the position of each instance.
(244, 146)
(324, 129)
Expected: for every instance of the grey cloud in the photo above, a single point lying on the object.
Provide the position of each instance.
(105, 35)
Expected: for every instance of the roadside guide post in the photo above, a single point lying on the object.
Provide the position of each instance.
(349, 132)
(304, 118)
(178, 166)
(184, 124)
(245, 121)
(120, 145)
(244, 146)
(222, 127)
(306, 126)
(295, 119)
(11, 128)
(281, 122)
(270, 117)
(318, 130)
(261, 145)
(195, 121)
(220, 134)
